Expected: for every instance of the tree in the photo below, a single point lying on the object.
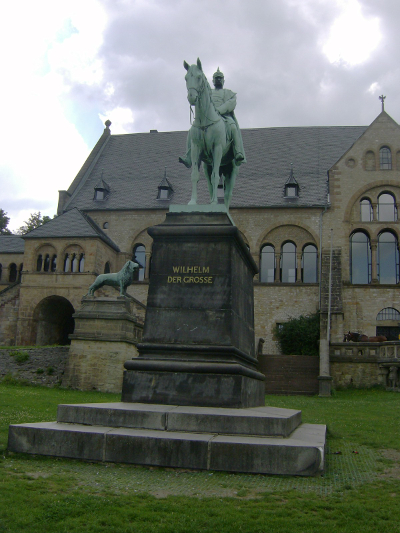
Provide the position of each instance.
(4, 220)
(34, 221)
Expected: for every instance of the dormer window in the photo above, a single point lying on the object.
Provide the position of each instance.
(165, 190)
(291, 186)
(101, 191)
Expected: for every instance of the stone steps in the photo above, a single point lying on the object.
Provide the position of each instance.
(263, 440)
(271, 421)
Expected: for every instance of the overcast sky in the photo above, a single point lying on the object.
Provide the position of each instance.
(70, 65)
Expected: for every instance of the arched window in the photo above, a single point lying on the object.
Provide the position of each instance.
(389, 313)
(360, 258)
(267, 264)
(67, 263)
(21, 267)
(385, 158)
(46, 266)
(139, 256)
(53, 263)
(1, 270)
(107, 268)
(370, 160)
(288, 263)
(13, 273)
(366, 210)
(387, 211)
(309, 264)
(75, 263)
(39, 263)
(388, 258)
(81, 262)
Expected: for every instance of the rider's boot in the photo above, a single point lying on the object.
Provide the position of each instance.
(186, 159)
(239, 157)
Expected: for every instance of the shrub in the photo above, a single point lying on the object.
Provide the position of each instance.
(20, 357)
(299, 336)
(40, 371)
(50, 371)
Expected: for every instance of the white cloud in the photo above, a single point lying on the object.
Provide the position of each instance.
(52, 45)
(121, 119)
(352, 37)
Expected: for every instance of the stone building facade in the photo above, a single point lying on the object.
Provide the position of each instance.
(303, 192)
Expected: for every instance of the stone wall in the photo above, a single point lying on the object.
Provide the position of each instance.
(9, 308)
(42, 366)
(362, 364)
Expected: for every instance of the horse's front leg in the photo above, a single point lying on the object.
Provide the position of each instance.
(217, 156)
(195, 172)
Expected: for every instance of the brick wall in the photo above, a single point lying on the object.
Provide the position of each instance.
(290, 374)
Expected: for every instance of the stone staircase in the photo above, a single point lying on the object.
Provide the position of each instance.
(264, 440)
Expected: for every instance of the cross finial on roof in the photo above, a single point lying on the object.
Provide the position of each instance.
(382, 99)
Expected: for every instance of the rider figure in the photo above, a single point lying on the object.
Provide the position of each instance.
(225, 102)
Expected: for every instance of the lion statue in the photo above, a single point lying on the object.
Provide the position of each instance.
(120, 280)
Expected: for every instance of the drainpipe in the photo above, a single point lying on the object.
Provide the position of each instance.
(320, 255)
(324, 378)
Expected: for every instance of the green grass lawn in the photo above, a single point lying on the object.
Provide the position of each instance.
(360, 492)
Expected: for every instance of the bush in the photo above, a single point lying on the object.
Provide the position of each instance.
(299, 336)
(20, 357)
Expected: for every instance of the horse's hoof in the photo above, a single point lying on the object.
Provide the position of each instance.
(192, 202)
(239, 158)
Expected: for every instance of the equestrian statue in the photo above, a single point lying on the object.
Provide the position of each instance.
(214, 137)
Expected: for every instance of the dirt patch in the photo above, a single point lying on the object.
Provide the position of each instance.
(391, 471)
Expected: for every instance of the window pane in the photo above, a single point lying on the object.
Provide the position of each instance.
(389, 313)
(74, 263)
(386, 208)
(385, 158)
(139, 256)
(288, 267)
(360, 258)
(291, 190)
(388, 258)
(13, 273)
(267, 264)
(309, 264)
(366, 210)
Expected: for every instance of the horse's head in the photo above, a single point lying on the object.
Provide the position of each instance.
(195, 81)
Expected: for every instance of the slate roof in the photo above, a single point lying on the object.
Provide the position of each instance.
(133, 166)
(72, 224)
(11, 244)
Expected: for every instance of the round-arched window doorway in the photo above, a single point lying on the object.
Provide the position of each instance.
(53, 321)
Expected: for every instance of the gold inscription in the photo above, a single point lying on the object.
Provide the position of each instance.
(190, 279)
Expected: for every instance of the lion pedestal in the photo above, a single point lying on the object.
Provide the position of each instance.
(106, 333)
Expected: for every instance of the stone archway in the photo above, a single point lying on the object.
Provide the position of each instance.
(53, 321)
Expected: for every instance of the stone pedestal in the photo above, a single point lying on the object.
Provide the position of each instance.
(106, 333)
(198, 343)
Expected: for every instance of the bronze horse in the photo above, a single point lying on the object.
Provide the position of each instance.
(359, 337)
(210, 142)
